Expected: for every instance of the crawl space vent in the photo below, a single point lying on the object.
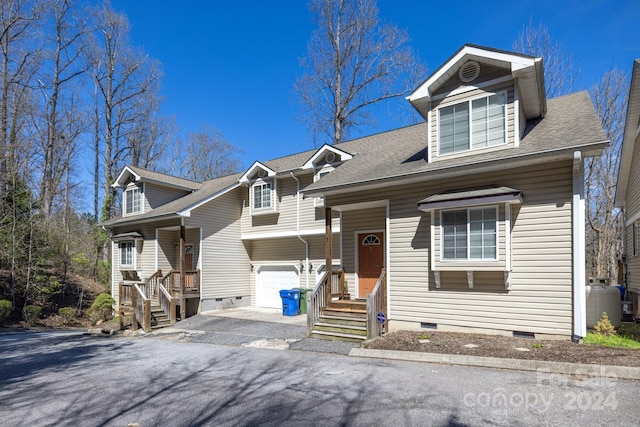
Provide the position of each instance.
(469, 71)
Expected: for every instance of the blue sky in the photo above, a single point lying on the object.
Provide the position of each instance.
(232, 64)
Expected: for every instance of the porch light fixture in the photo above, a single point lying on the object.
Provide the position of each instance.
(251, 267)
(301, 267)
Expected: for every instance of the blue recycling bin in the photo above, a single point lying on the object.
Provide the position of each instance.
(290, 302)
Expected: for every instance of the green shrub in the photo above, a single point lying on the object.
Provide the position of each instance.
(67, 314)
(31, 313)
(101, 308)
(5, 310)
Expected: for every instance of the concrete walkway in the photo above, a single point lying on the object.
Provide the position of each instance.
(268, 328)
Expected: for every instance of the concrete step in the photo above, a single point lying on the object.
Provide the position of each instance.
(338, 336)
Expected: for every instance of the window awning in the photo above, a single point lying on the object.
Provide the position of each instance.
(133, 235)
(470, 197)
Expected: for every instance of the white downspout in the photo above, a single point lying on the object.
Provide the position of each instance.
(579, 273)
(306, 244)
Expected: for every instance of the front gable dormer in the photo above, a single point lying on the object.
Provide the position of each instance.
(263, 192)
(323, 162)
(145, 190)
(480, 99)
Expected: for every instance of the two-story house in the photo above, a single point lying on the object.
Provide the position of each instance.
(471, 220)
(628, 191)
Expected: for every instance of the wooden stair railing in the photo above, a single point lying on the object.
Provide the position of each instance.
(167, 303)
(317, 301)
(141, 309)
(151, 288)
(377, 303)
(328, 288)
(337, 284)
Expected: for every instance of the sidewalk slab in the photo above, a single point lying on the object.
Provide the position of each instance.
(620, 372)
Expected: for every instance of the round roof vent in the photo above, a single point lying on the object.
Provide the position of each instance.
(469, 71)
(331, 157)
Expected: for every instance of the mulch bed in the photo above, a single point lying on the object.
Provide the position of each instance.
(506, 347)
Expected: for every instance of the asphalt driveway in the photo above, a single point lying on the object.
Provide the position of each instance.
(251, 328)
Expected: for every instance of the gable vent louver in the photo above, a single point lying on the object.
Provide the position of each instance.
(469, 71)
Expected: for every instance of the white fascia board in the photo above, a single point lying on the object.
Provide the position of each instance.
(121, 176)
(517, 63)
(187, 211)
(285, 234)
(245, 177)
(309, 164)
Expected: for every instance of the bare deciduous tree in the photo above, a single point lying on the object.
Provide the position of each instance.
(122, 75)
(559, 71)
(208, 155)
(352, 62)
(63, 67)
(603, 228)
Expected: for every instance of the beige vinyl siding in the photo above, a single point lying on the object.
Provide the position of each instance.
(633, 262)
(167, 249)
(465, 96)
(373, 219)
(632, 198)
(632, 209)
(156, 195)
(540, 298)
(291, 251)
(285, 219)
(225, 263)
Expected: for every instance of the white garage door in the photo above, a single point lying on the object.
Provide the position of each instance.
(270, 279)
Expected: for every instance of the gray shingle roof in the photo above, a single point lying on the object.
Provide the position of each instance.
(207, 189)
(169, 179)
(570, 123)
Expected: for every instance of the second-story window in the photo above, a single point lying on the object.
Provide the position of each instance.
(262, 195)
(473, 124)
(132, 201)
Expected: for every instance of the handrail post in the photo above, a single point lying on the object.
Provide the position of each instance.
(134, 318)
(147, 315)
(341, 282)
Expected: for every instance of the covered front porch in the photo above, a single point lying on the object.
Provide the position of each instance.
(172, 290)
(356, 311)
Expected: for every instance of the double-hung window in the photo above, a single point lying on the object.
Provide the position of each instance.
(473, 124)
(262, 195)
(132, 201)
(470, 234)
(127, 253)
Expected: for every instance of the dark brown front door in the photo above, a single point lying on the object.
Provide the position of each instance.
(370, 261)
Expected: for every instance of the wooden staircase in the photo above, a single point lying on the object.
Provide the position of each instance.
(343, 320)
(159, 318)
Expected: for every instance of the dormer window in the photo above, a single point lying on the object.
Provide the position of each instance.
(473, 124)
(263, 196)
(132, 201)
